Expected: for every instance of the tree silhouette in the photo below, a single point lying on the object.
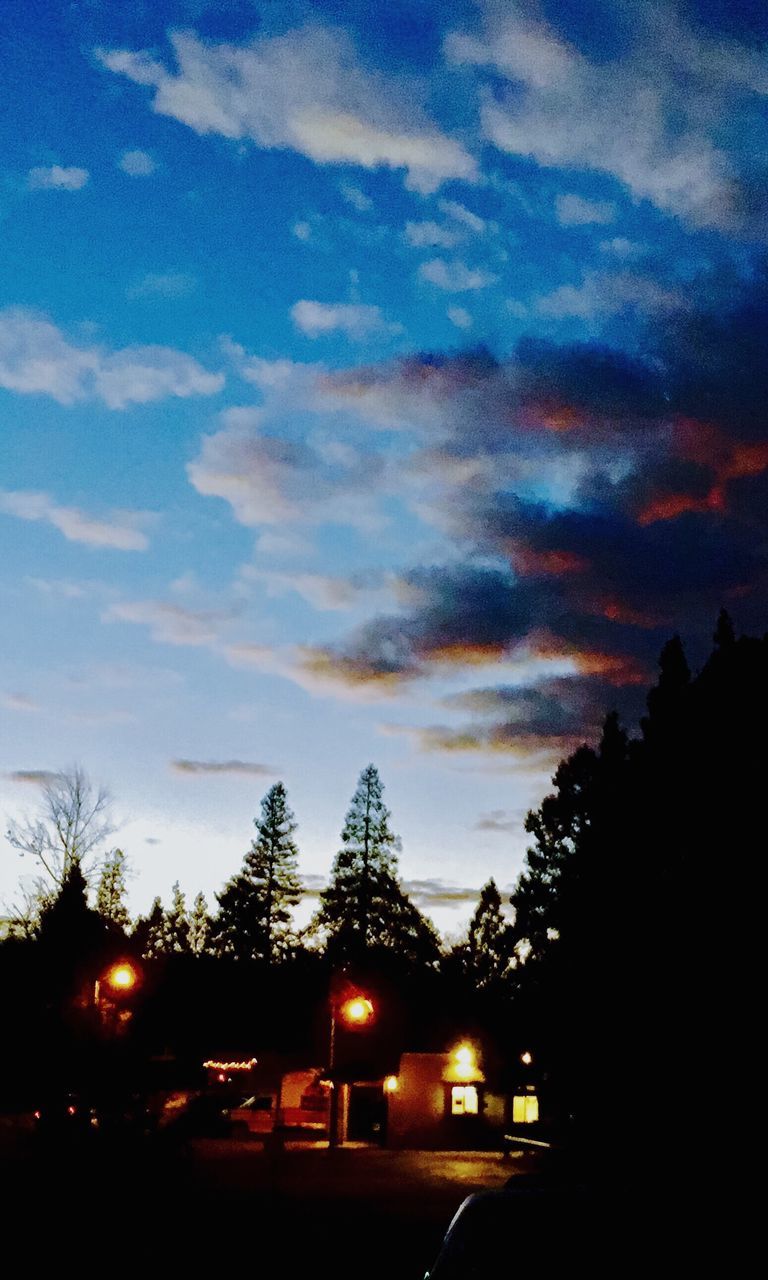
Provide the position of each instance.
(73, 823)
(111, 890)
(149, 932)
(199, 926)
(254, 918)
(176, 925)
(641, 948)
(365, 906)
(489, 951)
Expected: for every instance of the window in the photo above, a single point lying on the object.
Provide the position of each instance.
(464, 1100)
(525, 1109)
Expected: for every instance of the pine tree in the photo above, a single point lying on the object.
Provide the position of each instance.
(365, 905)
(111, 890)
(150, 931)
(176, 924)
(254, 918)
(489, 950)
(199, 926)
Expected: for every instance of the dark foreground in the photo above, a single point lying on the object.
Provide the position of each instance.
(211, 1206)
(218, 1204)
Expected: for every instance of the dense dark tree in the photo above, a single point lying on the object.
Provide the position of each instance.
(176, 925)
(111, 890)
(149, 932)
(489, 951)
(199, 926)
(642, 965)
(365, 905)
(254, 920)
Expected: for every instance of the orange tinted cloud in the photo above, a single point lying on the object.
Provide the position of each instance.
(531, 562)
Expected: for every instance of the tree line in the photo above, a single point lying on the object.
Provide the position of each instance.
(363, 912)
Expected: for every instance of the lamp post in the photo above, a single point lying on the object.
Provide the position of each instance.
(355, 1011)
(119, 980)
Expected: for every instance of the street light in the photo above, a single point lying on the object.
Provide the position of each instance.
(355, 1011)
(121, 977)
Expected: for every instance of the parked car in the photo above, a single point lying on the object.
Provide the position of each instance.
(202, 1116)
(532, 1223)
(254, 1114)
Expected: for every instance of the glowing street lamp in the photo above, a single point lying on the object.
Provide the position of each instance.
(526, 1058)
(355, 1012)
(121, 977)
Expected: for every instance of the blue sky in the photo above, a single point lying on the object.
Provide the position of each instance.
(371, 390)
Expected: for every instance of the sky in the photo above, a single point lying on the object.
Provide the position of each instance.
(377, 384)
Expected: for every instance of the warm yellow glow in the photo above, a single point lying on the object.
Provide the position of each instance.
(358, 1010)
(230, 1066)
(465, 1062)
(390, 1084)
(122, 977)
(525, 1108)
(526, 1058)
(464, 1100)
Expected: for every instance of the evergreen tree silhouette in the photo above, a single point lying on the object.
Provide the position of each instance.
(254, 920)
(365, 906)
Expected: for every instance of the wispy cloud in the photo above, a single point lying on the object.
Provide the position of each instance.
(137, 164)
(36, 359)
(357, 198)
(431, 235)
(121, 531)
(19, 702)
(33, 777)
(575, 211)
(57, 177)
(625, 117)
(219, 767)
(357, 321)
(455, 277)
(169, 284)
(305, 90)
(170, 623)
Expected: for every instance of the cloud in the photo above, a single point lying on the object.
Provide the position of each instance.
(170, 623)
(575, 211)
(121, 532)
(431, 235)
(169, 284)
(357, 198)
(499, 820)
(625, 116)
(455, 277)
(602, 294)
(461, 214)
(19, 702)
(323, 591)
(36, 359)
(33, 777)
(358, 322)
(218, 767)
(306, 91)
(459, 317)
(137, 164)
(57, 178)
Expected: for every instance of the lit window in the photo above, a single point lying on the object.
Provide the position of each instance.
(525, 1109)
(464, 1101)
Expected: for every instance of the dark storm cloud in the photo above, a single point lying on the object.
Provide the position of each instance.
(655, 518)
(460, 614)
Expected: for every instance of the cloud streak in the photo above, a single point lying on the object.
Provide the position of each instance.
(37, 359)
(305, 90)
(121, 532)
